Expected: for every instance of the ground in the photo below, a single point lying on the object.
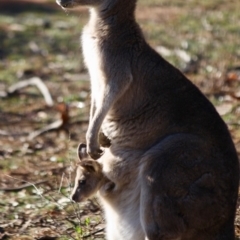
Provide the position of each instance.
(40, 43)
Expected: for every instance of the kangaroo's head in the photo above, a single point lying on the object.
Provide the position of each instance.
(104, 5)
(75, 3)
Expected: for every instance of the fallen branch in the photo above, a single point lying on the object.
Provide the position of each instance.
(55, 126)
(25, 226)
(93, 233)
(4, 133)
(51, 127)
(62, 108)
(19, 188)
(35, 81)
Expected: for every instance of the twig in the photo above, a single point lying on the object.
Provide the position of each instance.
(62, 123)
(38, 83)
(25, 226)
(233, 124)
(93, 233)
(59, 189)
(4, 133)
(72, 222)
(51, 127)
(26, 185)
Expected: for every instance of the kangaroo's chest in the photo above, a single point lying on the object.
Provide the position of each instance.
(93, 61)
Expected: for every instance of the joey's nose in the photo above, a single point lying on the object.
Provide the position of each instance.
(74, 197)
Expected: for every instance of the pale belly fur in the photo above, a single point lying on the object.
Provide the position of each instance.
(93, 63)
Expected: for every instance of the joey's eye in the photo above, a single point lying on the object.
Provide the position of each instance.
(82, 182)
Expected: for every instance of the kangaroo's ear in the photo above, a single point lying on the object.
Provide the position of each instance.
(91, 165)
(82, 151)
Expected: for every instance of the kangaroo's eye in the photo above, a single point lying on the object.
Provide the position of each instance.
(82, 182)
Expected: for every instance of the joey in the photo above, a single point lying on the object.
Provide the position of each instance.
(89, 177)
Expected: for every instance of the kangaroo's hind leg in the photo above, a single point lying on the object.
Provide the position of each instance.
(185, 191)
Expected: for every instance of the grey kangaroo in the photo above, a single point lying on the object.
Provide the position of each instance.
(171, 158)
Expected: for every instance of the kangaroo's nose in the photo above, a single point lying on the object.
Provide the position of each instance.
(64, 3)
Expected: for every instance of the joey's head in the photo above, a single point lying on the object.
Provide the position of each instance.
(88, 180)
(88, 176)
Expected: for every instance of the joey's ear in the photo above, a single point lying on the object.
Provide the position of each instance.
(91, 165)
(82, 151)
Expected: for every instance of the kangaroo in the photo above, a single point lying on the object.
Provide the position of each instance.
(89, 178)
(171, 154)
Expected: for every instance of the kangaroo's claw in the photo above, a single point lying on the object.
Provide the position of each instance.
(95, 153)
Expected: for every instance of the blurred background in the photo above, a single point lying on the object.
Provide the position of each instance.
(44, 101)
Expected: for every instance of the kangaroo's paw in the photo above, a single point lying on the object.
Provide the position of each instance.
(94, 152)
(93, 147)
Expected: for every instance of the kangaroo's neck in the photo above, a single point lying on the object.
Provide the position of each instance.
(112, 17)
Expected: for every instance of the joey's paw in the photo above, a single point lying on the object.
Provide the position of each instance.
(94, 153)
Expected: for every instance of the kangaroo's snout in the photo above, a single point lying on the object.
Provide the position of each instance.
(65, 3)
